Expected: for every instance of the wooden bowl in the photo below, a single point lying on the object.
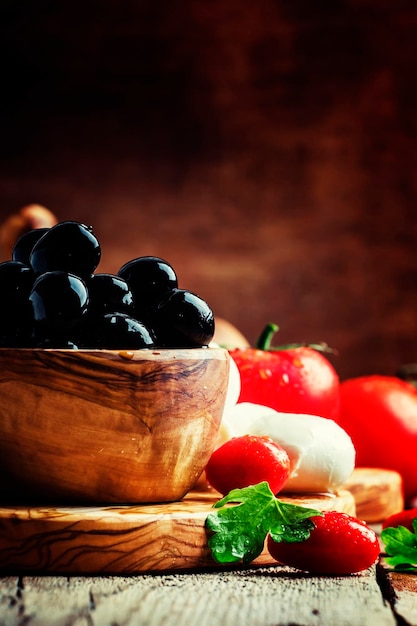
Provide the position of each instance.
(107, 426)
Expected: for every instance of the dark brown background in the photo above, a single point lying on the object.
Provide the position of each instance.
(266, 149)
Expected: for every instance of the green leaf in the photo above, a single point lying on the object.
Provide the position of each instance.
(401, 547)
(239, 531)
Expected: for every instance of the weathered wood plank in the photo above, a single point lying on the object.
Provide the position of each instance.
(10, 600)
(255, 597)
(400, 589)
(405, 603)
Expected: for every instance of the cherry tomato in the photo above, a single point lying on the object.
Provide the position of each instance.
(403, 518)
(248, 460)
(380, 415)
(293, 380)
(339, 544)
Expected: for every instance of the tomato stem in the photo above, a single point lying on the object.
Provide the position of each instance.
(265, 338)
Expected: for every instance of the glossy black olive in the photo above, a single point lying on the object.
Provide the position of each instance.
(183, 319)
(118, 331)
(68, 247)
(59, 301)
(24, 245)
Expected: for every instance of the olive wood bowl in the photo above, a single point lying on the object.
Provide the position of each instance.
(107, 426)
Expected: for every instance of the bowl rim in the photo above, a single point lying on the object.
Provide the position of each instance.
(115, 350)
(124, 354)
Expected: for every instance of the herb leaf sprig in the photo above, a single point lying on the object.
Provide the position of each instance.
(401, 547)
(239, 532)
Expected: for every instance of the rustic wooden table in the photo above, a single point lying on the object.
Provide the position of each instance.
(262, 596)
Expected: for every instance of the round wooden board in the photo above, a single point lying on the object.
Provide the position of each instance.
(378, 493)
(122, 539)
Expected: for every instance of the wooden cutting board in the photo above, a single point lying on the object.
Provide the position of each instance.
(135, 539)
(378, 493)
(121, 539)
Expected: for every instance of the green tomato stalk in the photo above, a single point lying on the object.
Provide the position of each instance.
(264, 342)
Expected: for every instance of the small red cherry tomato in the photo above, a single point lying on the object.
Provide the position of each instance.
(403, 518)
(339, 544)
(248, 460)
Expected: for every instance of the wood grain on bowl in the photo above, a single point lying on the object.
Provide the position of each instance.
(107, 426)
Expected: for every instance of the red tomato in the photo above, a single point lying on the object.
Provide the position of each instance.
(380, 415)
(293, 380)
(403, 518)
(248, 460)
(339, 544)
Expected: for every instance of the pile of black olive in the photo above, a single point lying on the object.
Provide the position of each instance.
(53, 297)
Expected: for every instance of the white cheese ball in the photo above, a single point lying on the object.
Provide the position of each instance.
(322, 454)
